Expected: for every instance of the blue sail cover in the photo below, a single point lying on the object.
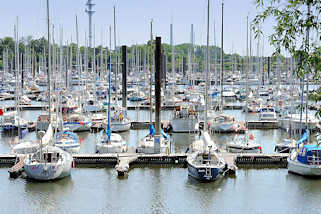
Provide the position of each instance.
(108, 133)
(214, 94)
(165, 135)
(22, 132)
(151, 129)
(304, 138)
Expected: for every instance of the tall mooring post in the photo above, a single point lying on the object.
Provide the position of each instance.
(268, 69)
(90, 13)
(158, 63)
(124, 76)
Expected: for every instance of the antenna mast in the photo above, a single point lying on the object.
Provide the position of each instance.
(90, 13)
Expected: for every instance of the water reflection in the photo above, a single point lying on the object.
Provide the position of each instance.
(46, 194)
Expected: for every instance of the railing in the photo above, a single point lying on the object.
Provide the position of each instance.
(315, 160)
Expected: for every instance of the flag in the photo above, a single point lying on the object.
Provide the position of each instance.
(1, 112)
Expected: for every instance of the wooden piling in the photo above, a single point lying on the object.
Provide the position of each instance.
(124, 76)
(158, 63)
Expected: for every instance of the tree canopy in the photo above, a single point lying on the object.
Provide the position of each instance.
(297, 31)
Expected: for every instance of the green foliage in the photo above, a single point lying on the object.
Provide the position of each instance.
(294, 21)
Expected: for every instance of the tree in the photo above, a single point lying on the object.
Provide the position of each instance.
(296, 21)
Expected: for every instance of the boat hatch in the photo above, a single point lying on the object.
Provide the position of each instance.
(51, 157)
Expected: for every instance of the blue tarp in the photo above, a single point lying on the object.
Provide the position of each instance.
(151, 129)
(70, 134)
(152, 132)
(22, 132)
(305, 137)
(214, 94)
(165, 135)
(310, 154)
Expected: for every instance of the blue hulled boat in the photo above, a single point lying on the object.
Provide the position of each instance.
(205, 166)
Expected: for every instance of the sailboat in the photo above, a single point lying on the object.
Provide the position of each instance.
(306, 158)
(110, 142)
(206, 163)
(51, 162)
(185, 116)
(120, 121)
(222, 122)
(147, 144)
(244, 144)
(12, 120)
(67, 141)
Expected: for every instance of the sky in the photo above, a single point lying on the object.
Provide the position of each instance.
(133, 18)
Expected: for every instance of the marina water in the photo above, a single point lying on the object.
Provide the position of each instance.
(161, 189)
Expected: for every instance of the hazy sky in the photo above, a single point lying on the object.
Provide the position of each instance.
(132, 20)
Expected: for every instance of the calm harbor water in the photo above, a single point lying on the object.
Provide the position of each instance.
(161, 190)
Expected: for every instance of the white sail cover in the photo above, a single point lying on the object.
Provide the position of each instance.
(48, 136)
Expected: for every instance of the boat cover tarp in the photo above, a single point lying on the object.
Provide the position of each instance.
(304, 138)
(48, 136)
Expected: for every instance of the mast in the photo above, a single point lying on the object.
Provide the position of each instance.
(222, 61)
(78, 55)
(49, 61)
(109, 82)
(116, 60)
(307, 93)
(207, 65)
(150, 72)
(248, 60)
(173, 56)
(215, 56)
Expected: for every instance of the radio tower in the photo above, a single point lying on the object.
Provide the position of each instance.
(90, 13)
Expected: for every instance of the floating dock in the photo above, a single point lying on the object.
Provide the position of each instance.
(263, 124)
(124, 161)
(255, 159)
(159, 159)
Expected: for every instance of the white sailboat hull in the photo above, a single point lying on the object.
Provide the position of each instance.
(222, 127)
(25, 148)
(304, 169)
(73, 149)
(120, 126)
(77, 127)
(288, 124)
(104, 148)
(146, 145)
(184, 124)
(49, 171)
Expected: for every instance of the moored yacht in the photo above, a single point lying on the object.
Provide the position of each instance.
(244, 145)
(147, 144)
(185, 117)
(111, 144)
(306, 159)
(67, 141)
